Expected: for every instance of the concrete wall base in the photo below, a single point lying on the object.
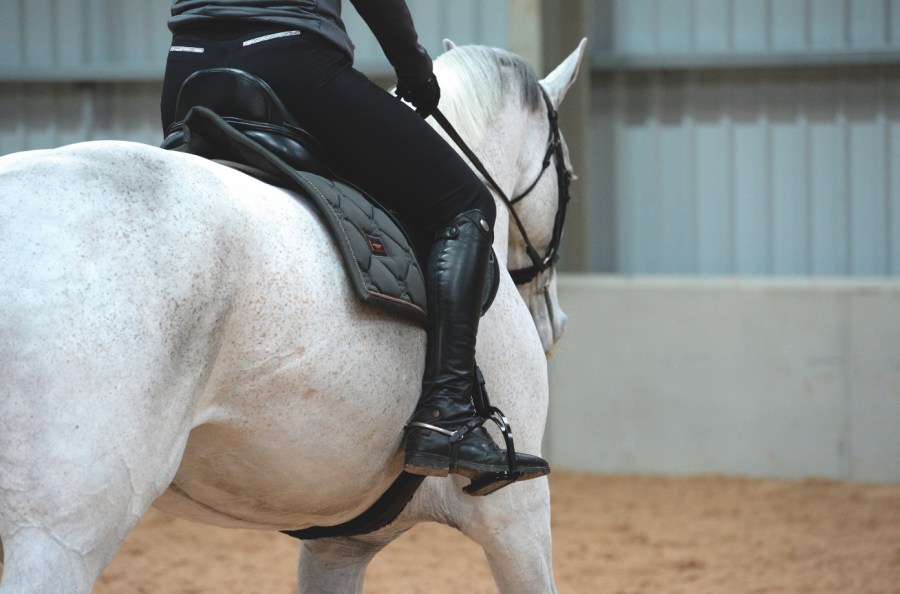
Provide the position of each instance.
(767, 377)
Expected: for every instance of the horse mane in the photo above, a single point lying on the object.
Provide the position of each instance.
(475, 80)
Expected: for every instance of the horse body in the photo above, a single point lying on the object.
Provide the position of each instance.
(175, 332)
(252, 318)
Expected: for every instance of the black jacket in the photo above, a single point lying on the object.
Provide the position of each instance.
(389, 20)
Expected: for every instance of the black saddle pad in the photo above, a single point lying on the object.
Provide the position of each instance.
(378, 257)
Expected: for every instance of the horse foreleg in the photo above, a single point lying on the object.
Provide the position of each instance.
(61, 543)
(337, 565)
(73, 484)
(513, 527)
(36, 561)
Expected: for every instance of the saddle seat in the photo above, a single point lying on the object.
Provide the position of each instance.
(251, 106)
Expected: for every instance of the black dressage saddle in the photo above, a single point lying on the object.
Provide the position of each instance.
(234, 117)
(250, 105)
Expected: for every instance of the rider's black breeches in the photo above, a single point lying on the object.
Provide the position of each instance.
(370, 138)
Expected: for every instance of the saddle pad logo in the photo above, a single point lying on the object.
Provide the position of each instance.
(376, 245)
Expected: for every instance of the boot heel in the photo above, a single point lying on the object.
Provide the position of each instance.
(425, 465)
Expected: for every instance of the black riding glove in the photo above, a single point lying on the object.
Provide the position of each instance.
(424, 96)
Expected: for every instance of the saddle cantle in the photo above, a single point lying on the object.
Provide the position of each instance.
(249, 104)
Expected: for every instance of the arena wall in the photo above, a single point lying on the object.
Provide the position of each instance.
(768, 377)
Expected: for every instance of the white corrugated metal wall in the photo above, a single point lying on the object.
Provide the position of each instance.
(73, 70)
(729, 136)
(752, 137)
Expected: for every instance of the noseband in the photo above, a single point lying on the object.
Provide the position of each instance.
(554, 152)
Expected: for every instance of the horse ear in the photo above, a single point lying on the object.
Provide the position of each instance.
(448, 45)
(562, 77)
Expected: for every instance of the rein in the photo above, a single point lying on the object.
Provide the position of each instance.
(539, 263)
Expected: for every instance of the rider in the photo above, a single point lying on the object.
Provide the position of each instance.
(301, 49)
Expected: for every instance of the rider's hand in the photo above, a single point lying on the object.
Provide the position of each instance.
(423, 96)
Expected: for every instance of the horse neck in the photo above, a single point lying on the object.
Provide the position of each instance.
(501, 152)
(501, 233)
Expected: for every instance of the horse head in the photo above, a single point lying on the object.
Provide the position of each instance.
(509, 117)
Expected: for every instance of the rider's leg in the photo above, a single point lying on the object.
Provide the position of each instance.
(445, 433)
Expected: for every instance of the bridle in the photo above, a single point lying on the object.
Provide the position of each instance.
(539, 264)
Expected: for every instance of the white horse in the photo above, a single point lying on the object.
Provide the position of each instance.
(174, 332)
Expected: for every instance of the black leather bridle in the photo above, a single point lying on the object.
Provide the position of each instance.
(554, 152)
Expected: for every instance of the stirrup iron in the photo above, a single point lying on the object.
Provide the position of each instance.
(496, 480)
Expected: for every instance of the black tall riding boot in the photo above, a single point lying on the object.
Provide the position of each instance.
(445, 433)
